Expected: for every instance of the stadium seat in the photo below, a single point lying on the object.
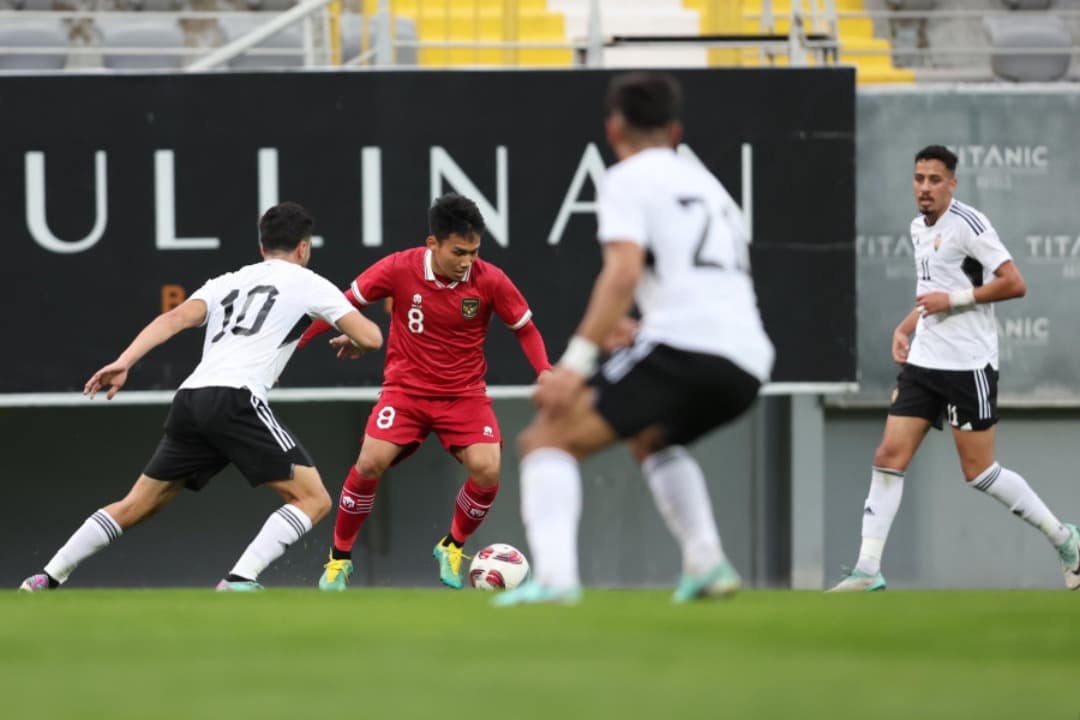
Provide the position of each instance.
(289, 42)
(1027, 4)
(270, 5)
(352, 44)
(33, 34)
(157, 5)
(1028, 31)
(125, 33)
(42, 5)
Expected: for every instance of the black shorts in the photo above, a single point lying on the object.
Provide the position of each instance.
(967, 399)
(207, 428)
(685, 393)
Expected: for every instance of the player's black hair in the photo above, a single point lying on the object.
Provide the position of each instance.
(938, 152)
(284, 226)
(646, 99)
(453, 214)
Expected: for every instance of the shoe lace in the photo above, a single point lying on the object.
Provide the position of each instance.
(334, 568)
(455, 555)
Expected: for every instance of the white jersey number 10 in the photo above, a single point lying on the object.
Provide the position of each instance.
(266, 295)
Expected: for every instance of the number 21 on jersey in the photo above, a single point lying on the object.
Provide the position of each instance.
(706, 247)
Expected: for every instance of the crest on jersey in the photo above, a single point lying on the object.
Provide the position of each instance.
(470, 307)
(937, 242)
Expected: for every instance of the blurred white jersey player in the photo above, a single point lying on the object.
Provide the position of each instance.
(254, 318)
(950, 369)
(674, 241)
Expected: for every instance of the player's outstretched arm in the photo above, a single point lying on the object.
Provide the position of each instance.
(189, 314)
(532, 344)
(365, 334)
(319, 326)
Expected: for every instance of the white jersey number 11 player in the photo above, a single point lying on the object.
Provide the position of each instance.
(950, 370)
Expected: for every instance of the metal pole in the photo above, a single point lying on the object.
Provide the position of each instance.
(594, 53)
(797, 39)
(275, 25)
(384, 42)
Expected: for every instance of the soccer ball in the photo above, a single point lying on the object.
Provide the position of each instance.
(498, 567)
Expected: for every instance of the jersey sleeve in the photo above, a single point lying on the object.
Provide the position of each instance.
(376, 282)
(987, 248)
(509, 303)
(325, 301)
(621, 213)
(208, 294)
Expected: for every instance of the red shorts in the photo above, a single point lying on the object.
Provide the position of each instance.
(407, 420)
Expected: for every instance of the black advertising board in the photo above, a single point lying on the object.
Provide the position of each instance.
(122, 194)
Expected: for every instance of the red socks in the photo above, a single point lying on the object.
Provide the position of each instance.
(473, 503)
(357, 499)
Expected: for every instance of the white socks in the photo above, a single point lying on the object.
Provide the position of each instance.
(882, 502)
(551, 509)
(1012, 491)
(98, 531)
(285, 526)
(678, 488)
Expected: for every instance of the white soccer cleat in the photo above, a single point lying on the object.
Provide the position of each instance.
(1069, 552)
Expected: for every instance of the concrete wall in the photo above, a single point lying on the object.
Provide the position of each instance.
(64, 463)
(947, 535)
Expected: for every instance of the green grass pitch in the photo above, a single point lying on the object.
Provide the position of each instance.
(385, 654)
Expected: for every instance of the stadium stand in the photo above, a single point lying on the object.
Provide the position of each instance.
(886, 40)
(32, 35)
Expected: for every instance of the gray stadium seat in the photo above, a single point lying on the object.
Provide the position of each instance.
(157, 5)
(912, 4)
(352, 27)
(270, 5)
(1027, 4)
(1028, 31)
(123, 33)
(290, 41)
(43, 5)
(33, 34)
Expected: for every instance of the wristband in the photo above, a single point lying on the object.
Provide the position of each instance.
(581, 356)
(961, 299)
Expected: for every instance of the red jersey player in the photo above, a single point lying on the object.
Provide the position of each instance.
(443, 297)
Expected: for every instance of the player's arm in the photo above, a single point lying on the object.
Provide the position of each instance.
(189, 314)
(532, 344)
(319, 326)
(1007, 284)
(364, 334)
(512, 307)
(901, 338)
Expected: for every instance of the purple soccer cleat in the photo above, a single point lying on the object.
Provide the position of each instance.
(35, 583)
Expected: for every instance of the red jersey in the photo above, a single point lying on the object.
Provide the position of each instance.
(437, 330)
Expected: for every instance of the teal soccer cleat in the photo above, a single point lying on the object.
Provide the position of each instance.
(1069, 552)
(858, 581)
(336, 574)
(239, 586)
(720, 582)
(449, 557)
(533, 593)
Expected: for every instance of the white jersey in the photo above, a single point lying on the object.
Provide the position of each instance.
(961, 250)
(254, 319)
(696, 293)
